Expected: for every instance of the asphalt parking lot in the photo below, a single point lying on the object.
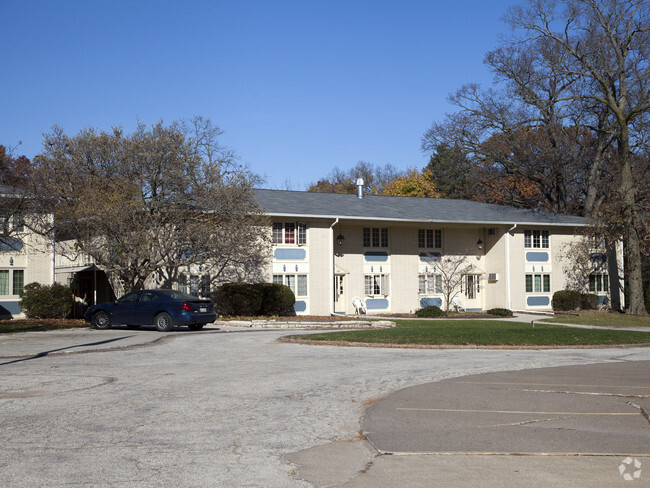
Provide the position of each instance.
(234, 408)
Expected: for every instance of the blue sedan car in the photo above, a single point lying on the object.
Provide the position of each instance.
(162, 308)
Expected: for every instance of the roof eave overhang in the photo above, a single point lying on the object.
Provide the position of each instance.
(441, 221)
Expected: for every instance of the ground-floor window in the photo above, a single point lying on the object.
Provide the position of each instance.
(376, 284)
(297, 283)
(196, 285)
(598, 283)
(12, 281)
(538, 283)
(429, 284)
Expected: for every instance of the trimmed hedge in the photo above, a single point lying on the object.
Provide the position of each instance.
(251, 299)
(590, 301)
(276, 299)
(46, 301)
(500, 312)
(430, 312)
(565, 300)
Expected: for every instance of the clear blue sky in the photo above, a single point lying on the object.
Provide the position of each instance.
(298, 87)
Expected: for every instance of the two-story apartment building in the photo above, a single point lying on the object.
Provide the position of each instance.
(389, 252)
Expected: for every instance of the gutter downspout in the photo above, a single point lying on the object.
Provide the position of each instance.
(332, 265)
(508, 289)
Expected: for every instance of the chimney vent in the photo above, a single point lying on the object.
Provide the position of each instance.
(360, 187)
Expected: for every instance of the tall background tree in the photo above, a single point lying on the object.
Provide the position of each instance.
(452, 172)
(14, 200)
(570, 115)
(413, 184)
(375, 179)
(151, 202)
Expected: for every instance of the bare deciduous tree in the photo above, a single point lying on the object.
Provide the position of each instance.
(375, 179)
(452, 270)
(161, 198)
(576, 78)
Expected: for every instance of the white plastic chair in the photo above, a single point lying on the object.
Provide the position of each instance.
(457, 303)
(359, 305)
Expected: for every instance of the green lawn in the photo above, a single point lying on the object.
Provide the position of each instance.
(484, 333)
(602, 319)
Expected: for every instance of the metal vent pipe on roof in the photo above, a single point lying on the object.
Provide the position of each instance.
(360, 187)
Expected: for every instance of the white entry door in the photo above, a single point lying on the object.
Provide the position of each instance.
(339, 294)
(472, 292)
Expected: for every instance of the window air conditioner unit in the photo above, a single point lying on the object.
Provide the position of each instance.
(493, 277)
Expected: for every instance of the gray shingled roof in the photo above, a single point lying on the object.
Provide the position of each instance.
(302, 204)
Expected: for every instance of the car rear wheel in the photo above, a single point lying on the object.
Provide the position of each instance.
(163, 322)
(101, 320)
(195, 326)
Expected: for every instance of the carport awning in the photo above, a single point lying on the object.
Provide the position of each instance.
(77, 269)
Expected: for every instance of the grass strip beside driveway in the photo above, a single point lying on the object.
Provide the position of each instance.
(484, 333)
(601, 319)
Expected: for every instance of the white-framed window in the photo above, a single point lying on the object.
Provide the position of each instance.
(536, 239)
(376, 285)
(538, 283)
(15, 222)
(375, 237)
(296, 282)
(430, 238)
(289, 233)
(429, 284)
(598, 283)
(193, 284)
(596, 244)
(12, 281)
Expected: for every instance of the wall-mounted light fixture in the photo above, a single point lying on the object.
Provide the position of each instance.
(479, 244)
(340, 239)
(11, 261)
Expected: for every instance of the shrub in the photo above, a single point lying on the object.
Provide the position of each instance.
(249, 299)
(430, 311)
(500, 312)
(46, 301)
(565, 300)
(277, 299)
(589, 301)
(237, 299)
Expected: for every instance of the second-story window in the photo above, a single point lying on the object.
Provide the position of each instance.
(536, 239)
(290, 233)
(429, 238)
(375, 237)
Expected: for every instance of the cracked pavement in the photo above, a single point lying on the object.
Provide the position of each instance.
(225, 409)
